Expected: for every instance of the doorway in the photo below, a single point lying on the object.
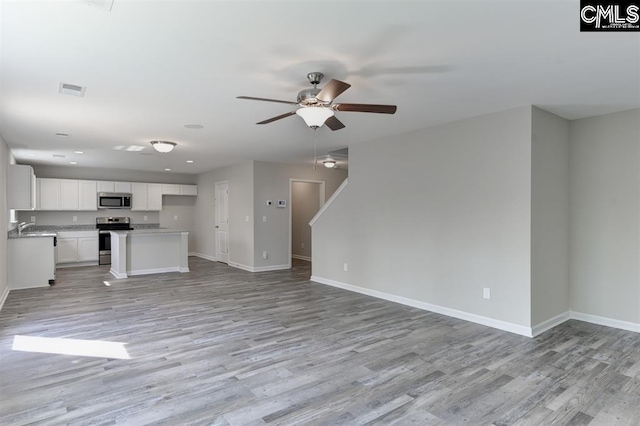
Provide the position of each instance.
(222, 221)
(307, 196)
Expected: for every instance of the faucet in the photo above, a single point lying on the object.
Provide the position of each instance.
(24, 225)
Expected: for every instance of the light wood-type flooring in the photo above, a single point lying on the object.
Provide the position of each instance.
(220, 346)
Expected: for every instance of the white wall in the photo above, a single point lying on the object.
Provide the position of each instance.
(271, 182)
(305, 203)
(240, 178)
(549, 216)
(4, 219)
(436, 215)
(605, 215)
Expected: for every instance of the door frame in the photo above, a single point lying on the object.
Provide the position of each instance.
(215, 230)
(322, 201)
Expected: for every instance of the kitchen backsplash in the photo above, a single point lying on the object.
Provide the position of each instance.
(85, 218)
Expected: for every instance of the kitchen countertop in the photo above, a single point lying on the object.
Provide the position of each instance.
(138, 231)
(51, 230)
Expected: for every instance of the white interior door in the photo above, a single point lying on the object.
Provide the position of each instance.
(222, 221)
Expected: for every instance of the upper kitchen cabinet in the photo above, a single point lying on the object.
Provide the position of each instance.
(173, 189)
(146, 196)
(21, 188)
(117, 187)
(67, 194)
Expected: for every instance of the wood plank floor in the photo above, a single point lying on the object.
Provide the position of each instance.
(220, 346)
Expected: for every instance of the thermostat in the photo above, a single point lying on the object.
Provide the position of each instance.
(282, 203)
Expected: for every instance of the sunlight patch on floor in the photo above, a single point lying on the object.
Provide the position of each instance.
(53, 345)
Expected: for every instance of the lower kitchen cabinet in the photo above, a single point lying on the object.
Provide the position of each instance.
(31, 262)
(77, 248)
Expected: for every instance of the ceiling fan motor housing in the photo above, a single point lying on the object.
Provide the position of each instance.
(307, 97)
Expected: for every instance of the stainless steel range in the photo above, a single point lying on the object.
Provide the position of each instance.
(105, 225)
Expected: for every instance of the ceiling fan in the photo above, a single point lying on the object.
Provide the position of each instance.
(317, 107)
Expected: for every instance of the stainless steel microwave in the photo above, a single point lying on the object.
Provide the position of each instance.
(110, 200)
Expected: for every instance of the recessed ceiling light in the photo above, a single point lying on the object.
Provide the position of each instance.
(190, 161)
(167, 170)
(73, 162)
(78, 152)
(63, 135)
(194, 126)
(58, 155)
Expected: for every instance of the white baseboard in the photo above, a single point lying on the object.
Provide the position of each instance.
(608, 322)
(155, 271)
(550, 323)
(259, 268)
(77, 264)
(297, 256)
(478, 319)
(204, 256)
(3, 297)
(183, 270)
(118, 275)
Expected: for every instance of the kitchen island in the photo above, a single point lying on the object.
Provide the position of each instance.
(148, 251)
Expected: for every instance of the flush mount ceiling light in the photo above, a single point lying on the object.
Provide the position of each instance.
(315, 116)
(163, 146)
(71, 89)
(329, 164)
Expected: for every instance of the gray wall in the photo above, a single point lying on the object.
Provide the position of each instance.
(178, 212)
(436, 215)
(240, 178)
(549, 216)
(605, 240)
(305, 203)
(4, 217)
(271, 182)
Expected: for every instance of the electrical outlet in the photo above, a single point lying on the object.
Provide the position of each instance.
(246, 218)
(301, 245)
(345, 267)
(74, 218)
(264, 218)
(145, 217)
(265, 254)
(33, 218)
(486, 293)
(175, 217)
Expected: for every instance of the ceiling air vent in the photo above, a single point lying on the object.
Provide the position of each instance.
(105, 5)
(71, 89)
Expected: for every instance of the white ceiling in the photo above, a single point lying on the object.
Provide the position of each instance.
(151, 67)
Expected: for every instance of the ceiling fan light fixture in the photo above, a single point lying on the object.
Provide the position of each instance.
(163, 146)
(329, 164)
(315, 116)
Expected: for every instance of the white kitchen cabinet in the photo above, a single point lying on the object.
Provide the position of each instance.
(69, 194)
(118, 187)
(139, 195)
(67, 250)
(48, 194)
(154, 194)
(77, 248)
(146, 196)
(170, 189)
(122, 187)
(174, 189)
(66, 194)
(105, 186)
(87, 195)
(31, 262)
(21, 187)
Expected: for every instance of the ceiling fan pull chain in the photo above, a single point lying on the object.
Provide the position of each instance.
(315, 142)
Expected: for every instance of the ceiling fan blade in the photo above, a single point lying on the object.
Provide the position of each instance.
(333, 123)
(332, 90)
(379, 109)
(289, 114)
(250, 98)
